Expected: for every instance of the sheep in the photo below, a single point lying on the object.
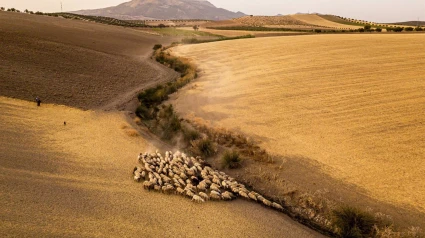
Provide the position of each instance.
(189, 193)
(147, 185)
(215, 187)
(157, 187)
(202, 186)
(180, 191)
(252, 196)
(215, 195)
(277, 206)
(226, 196)
(243, 194)
(198, 199)
(204, 196)
(267, 202)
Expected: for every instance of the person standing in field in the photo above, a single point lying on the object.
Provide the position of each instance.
(37, 99)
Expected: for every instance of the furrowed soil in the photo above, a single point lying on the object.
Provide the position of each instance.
(74, 180)
(75, 63)
(344, 111)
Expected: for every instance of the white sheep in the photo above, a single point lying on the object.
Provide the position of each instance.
(277, 206)
(204, 196)
(198, 199)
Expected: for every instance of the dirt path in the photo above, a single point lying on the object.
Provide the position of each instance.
(74, 181)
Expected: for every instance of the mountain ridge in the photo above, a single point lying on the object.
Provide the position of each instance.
(164, 9)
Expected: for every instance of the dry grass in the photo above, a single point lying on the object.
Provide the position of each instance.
(348, 102)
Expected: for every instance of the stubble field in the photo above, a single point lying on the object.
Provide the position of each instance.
(351, 103)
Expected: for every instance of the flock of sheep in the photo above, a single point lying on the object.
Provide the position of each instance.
(180, 174)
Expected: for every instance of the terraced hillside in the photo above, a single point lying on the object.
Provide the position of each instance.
(344, 102)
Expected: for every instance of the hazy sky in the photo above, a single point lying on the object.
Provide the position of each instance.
(372, 10)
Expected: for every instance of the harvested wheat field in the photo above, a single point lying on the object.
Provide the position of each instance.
(352, 104)
(76, 63)
(234, 33)
(75, 181)
(317, 20)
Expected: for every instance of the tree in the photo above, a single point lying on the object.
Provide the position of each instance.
(408, 28)
(161, 25)
(398, 29)
(1, 8)
(26, 11)
(378, 29)
(419, 29)
(195, 27)
(361, 30)
(367, 27)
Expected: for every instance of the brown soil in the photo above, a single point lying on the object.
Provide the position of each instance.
(75, 63)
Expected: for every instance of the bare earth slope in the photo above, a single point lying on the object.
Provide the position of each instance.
(74, 181)
(345, 101)
(76, 63)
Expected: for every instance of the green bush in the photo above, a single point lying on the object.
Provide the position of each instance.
(419, 29)
(143, 112)
(231, 160)
(361, 30)
(191, 135)
(353, 222)
(204, 147)
(378, 30)
(367, 27)
(157, 46)
(409, 28)
(317, 30)
(170, 126)
(398, 29)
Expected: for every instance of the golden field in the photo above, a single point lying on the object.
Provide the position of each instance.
(317, 20)
(234, 33)
(353, 104)
(75, 181)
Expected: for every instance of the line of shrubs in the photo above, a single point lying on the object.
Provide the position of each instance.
(198, 41)
(255, 28)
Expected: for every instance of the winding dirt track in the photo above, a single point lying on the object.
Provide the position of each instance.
(352, 103)
(74, 180)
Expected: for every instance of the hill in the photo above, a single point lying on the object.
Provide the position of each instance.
(409, 23)
(75, 63)
(164, 9)
(355, 115)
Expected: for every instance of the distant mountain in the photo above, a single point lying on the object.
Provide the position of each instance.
(164, 9)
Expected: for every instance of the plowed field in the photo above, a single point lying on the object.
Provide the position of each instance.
(352, 103)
